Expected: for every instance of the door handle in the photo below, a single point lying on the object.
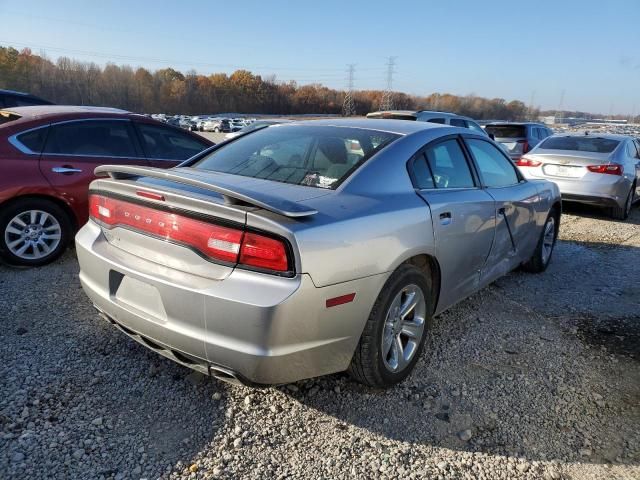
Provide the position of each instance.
(445, 218)
(66, 170)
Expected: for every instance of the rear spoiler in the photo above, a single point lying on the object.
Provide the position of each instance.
(232, 195)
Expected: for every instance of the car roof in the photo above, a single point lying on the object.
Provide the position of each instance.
(402, 127)
(45, 110)
(418, 113)
(13, 92)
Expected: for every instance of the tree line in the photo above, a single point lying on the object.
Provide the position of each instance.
(72, 82)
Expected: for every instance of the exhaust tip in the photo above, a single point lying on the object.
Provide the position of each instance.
(224, 376)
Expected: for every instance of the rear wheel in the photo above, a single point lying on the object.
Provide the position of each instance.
(33, 232)
(541, 257)
(396, 330)
(622, 213)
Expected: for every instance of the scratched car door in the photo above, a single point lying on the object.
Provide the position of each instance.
(515, 203)
(463, 216)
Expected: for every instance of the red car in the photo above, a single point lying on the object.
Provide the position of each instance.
(47, 157)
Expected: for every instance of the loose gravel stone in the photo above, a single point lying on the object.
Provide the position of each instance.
(520, 381)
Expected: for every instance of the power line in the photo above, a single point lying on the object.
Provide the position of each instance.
(387, 97)
(111, 56)
(348, 107)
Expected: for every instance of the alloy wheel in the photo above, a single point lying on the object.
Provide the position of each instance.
(32, 234)
(548, 239)
(403, 328)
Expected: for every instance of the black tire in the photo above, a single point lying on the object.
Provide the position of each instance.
(7, 213)
(622, 213)
(367, 365)
(538, 262)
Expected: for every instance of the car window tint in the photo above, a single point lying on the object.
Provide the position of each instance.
(449, 165)
(457, 122)
(495, 169)
(421, 173)
(436, 120)
(507, 131)
(162, 143)
(33, 140)
(580, 143)
(106, 138)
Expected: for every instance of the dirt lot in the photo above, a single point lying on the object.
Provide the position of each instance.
(535, 376)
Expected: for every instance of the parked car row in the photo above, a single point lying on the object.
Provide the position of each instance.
(205, 123)
(213, 264)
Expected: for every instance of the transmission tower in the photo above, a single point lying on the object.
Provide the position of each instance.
(560, 113)
(348, 107)
(387, 97)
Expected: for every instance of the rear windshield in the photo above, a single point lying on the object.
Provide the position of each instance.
(580, 144)
(506, 131)
(320, 157)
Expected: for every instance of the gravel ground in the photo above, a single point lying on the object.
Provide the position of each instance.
(534, 377)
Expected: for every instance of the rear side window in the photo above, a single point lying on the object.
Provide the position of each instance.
(449, 165)
(33, 140)
(581, 144)
(474, 126)
(96, 138)
(162, 143)
(507, 131)
(314, 156)
(421, 173)
(495, 169)
(457, 122)
(436, 120)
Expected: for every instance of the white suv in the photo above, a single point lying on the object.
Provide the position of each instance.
(444, 118)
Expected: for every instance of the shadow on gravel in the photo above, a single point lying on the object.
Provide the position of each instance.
(599, 213)
(535, 366)
(79, 398)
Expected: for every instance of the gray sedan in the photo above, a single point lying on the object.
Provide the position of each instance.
(595, 169)
(309, 248)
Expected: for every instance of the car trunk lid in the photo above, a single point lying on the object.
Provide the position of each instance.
(182, 219)
(569, 165)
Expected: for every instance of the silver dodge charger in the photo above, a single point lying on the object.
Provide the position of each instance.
(309, 248)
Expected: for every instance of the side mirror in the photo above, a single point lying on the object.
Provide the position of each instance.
(492, 136)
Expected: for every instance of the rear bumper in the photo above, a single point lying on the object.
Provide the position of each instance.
(602, 201)
(604, 190)
(258, 328)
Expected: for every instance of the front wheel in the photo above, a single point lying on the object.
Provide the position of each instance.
(33, 232)
(395, 331)
(541, 257)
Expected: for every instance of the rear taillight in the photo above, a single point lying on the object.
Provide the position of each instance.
(525, 145)
(611, 169)
(227, 244)
(263, 252)
(527, 162)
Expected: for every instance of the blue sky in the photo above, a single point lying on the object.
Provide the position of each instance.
(590, 49)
